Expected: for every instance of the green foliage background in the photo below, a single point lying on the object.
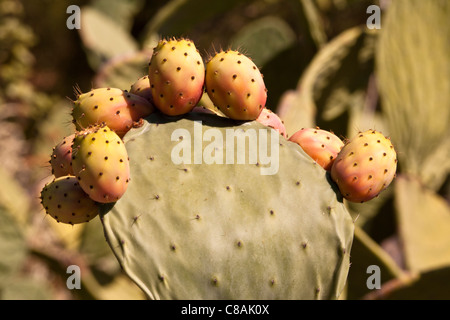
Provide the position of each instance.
(322, 67)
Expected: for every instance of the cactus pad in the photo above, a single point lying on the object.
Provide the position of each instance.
(227, 231)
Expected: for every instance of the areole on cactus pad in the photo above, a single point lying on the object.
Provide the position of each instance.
(201, 229)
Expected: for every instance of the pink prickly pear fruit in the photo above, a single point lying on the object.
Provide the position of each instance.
(118, 109)
(100, 163)
(235, 85)
(61, 158)
(65, 201)
(271, 119)
(142, 88)
(365, 166)
(321, 145)
(177, 75)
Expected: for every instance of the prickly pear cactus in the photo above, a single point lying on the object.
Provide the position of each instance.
(61, 158)
(142, 88)
(365, 166)
(100, 163)
(65, 201)
(270, 119)
(118, 109)
(321, 145)
(176, 73)
(235, 85)
(191, 226)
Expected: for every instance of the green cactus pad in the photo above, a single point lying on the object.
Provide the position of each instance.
(225, 231)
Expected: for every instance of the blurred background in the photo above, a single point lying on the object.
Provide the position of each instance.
(323, 66)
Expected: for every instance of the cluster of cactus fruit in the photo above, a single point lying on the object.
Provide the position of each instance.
(361, 167)
(93, 167)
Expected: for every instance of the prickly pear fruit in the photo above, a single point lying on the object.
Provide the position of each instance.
(271, 119)
(100, 163)
(66, 202)
(142, 88)
(235, 85)
(118, 109)
(365, 166)
(177, 75)
(61, 158)
(321, 145)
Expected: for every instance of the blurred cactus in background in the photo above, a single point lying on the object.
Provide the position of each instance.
(322, 67)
